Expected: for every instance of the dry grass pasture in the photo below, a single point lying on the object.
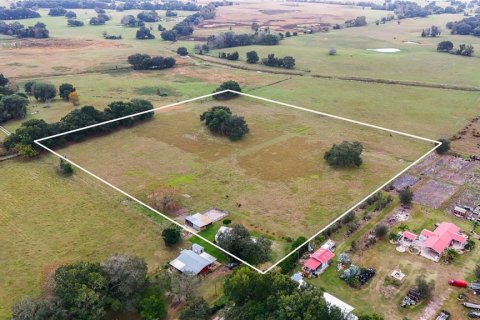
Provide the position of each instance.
(277, 173)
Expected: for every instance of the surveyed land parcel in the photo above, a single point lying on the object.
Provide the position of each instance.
(275, 181)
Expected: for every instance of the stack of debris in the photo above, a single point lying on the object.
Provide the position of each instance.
(411, 299)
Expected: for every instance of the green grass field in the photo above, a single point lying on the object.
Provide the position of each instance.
(49, 220)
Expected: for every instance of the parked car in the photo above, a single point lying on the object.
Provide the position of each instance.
(233, 265)
(474, 314)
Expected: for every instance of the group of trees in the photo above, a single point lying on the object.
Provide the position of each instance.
(287, 62)
(87, 290)
(251, 295)
(57, 12)
(16, 29)
(240, 243)
(220, 120)
(229, 56)
(357, 22)
(345, 154)
(114, 5)
(290, 262)
(462, 50)
(411, 9)
(44, 91)
(431, 32)
(22, 140)
(144, 33)
(75, 23)
(231, 39)
(131, 21)
(17, 14)
(186, 26)
(182, 51)
(146, 62)
(12, 105)
(466, 26)
(148, 16)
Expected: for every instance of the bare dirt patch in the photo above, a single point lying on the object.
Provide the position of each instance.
(277, 11)
(433, 193)
(451, 169)
(61, 44)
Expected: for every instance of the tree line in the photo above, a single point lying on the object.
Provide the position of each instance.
(145, 62)
(16, 29)
(110, 4)
(231, 39)
(17, 14)
(22, 140)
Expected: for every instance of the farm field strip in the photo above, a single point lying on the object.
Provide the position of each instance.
(322, 114)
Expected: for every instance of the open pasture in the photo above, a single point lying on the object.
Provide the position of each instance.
(274, 176)
(49, 220)
(416, 61)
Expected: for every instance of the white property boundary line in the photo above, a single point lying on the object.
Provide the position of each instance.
(437, 144)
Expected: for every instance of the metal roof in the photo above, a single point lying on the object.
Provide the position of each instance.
(190, 262)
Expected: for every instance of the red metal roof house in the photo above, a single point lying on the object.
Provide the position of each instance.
(446, 235)
(318, 261)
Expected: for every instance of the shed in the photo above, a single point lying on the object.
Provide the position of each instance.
(198, 221)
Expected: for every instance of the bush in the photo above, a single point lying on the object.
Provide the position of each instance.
(182, 51)
(227, 222)
(64, 90)
(424, 288)
(228, 85)
(252, 57)
(65, 167)
(406, 196)
(345, 154)
(444, 147)
(43, 91)
(381, 231)
(445, 46)
(171, 235)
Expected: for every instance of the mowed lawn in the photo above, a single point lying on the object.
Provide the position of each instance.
(48, 220)
(275, 176)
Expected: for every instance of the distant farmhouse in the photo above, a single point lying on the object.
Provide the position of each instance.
(194, 261)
